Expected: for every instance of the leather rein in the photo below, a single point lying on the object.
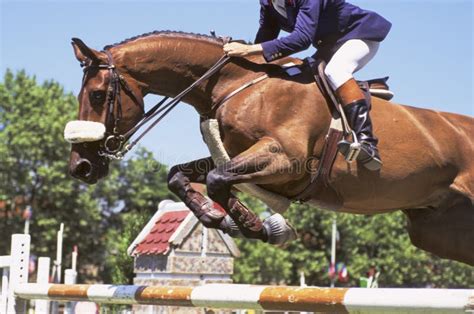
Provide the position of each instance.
(114, 145)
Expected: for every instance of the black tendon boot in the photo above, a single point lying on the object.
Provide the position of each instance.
(357, 114)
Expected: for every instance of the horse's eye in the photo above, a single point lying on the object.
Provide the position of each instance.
(97, 97)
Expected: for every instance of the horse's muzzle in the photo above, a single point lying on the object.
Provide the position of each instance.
(84, 171)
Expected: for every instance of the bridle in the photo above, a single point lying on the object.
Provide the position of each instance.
(115, 145)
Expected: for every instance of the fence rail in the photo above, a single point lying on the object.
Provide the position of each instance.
(283, 298)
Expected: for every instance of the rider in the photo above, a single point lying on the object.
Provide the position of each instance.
(345, 34)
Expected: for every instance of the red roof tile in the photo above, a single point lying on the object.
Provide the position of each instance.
(157, 241)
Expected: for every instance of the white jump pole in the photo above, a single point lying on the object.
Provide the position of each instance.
(5, 262)
(57, 268)
(42, 306)
(70, 276)
(20, 258)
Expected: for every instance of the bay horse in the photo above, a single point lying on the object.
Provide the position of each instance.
(272, 128)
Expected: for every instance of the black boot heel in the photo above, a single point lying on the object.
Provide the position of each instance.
(369, 158)
(366, 156)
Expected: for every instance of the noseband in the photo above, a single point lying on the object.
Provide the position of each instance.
(113, 140)
(113, 145)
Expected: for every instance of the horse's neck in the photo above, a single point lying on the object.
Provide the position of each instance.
(167, 65)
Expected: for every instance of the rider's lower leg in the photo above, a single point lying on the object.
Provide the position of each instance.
(356, 109)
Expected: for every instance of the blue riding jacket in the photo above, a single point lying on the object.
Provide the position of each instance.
(324, 23)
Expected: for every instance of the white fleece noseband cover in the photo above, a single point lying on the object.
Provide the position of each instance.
(83, 131)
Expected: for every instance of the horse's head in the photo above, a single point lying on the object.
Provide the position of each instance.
(110, 104)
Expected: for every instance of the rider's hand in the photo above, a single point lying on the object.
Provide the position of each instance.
(235, 49)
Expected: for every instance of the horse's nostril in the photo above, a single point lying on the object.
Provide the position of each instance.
(83, 168)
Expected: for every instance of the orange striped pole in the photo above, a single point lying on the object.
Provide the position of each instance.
(278, 298)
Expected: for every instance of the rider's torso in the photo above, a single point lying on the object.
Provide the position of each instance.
(338, 20)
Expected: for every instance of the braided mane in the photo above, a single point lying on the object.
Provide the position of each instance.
(212, 39)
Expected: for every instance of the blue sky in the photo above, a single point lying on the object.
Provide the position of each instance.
(428, 54)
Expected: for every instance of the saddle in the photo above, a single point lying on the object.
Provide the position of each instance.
(376, 87)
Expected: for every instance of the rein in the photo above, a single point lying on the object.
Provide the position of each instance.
(114, 146)
(154, 112)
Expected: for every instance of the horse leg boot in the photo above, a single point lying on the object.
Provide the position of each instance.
(260, 164)
(179, 182)
(356, 109)
(247, 221)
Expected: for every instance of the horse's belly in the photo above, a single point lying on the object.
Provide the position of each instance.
(366, 192)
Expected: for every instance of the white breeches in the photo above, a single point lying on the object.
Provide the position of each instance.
(352, 56)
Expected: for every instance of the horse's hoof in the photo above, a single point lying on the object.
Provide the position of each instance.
(229, 226)
(279, 231)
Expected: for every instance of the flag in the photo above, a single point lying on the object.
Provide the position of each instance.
(332, 271)
(27, 213)
(343, 274)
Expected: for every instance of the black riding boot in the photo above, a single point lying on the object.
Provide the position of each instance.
(357, 114)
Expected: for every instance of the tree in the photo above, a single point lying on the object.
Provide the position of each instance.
(34, 165)
(379, 240)
(140, 185)
(34, 171)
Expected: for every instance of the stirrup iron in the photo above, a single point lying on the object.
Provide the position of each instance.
(354, 149)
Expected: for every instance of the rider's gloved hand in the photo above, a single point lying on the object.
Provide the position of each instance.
(235, 49)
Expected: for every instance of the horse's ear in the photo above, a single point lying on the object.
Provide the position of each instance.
(84, 53)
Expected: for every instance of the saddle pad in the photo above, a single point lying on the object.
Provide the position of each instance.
(212, 138)
(376, 87)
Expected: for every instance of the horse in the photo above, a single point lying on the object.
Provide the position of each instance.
(272, 128)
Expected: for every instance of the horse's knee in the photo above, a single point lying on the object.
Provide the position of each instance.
(216, 183)
(176, 179)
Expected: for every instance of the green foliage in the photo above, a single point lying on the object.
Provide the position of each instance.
(34, 171)
(33, 158)
(379, 240)
(104, 219)
(119, 264)
(260, 262)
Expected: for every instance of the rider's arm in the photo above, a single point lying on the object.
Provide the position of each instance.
(302, 35)
(269, 28)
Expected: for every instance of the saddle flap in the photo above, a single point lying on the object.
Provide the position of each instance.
(379, 82)
(377, 87)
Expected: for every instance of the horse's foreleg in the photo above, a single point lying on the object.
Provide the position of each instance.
(180, 178)
(263, 163)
